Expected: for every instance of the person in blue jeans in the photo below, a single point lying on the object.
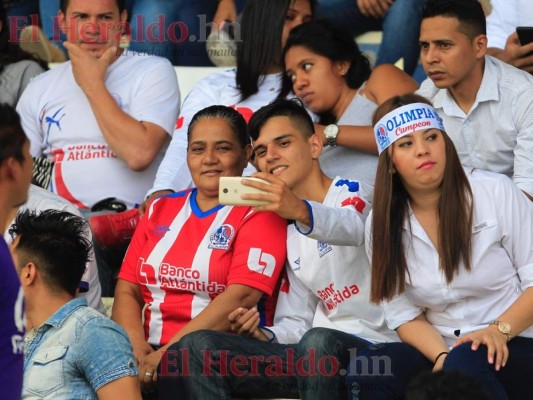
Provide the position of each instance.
(398, 19)
(72, 351)
(327, 283)
(451, 250)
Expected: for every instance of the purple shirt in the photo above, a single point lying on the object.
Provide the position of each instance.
(11, 327)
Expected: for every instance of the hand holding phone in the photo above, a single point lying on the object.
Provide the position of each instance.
(525, 34)
(231, 189)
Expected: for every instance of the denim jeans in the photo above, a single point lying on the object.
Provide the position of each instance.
(217, 365)
(212, 365)
(174, 29)
(400, 25)
(331, 350)
(512, 381)
(383, 371)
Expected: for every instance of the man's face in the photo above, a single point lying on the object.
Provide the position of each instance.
(283, 151)
(94, 25)
(448, 55)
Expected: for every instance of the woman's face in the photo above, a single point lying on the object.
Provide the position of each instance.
(319, 82)
(213, 151)
(420, 159)
(299, 11)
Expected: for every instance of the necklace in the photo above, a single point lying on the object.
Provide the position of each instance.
(345, 104)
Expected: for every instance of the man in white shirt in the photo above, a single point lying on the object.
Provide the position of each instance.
(486, 104)
(504, 43)
(105, 116)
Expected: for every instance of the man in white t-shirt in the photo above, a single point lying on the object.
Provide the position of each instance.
(104, 119)
(328, 274)
(504, 43)
(105, 116)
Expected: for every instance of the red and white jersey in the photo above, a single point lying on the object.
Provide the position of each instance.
(182, 258)
(218, 88)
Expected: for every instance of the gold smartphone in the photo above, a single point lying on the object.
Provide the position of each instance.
(231, 188)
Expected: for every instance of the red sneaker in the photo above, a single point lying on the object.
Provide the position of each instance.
(114, 229)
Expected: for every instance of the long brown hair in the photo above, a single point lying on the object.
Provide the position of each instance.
(390, 210)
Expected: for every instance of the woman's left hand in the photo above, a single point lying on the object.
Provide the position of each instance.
(496, 342)
(148, 371)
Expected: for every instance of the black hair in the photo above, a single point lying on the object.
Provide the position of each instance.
(330, 41)
(57, 243)
(292, 109)
(63, 5)
(469, 13)
(233, 118)
(390, 206)
(260, 46)
(10, 52)
(12, 137)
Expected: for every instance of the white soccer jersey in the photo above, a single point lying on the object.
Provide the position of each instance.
(329, 260)
(182, 258)
(60, 124)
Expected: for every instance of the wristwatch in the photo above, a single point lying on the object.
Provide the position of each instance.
(331, 131)
(503, 327)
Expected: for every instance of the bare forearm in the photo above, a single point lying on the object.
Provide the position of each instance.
(357, 137)
(420, 334)
(498, 53)
(520, 314)
(129, 138)
(215, 315)
(127, 312)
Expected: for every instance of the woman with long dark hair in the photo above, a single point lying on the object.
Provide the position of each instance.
(327, 71)
(451, 250)
(254, 83)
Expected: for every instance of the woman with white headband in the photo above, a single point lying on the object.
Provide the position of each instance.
(451, 250)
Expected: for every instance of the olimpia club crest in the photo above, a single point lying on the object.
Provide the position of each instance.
(404, 121)
(221, 238)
